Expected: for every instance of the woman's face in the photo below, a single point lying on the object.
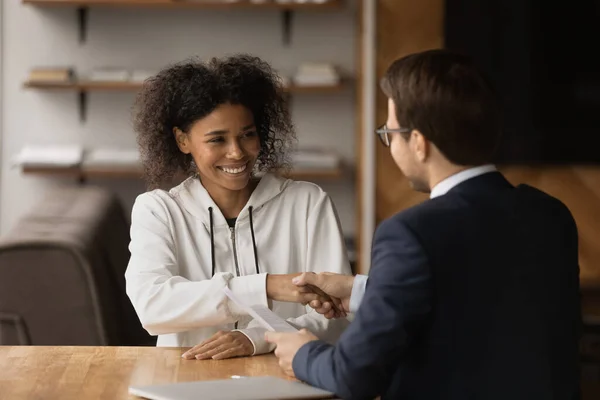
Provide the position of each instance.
(224, 146)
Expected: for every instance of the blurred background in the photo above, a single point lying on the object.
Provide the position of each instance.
(70, 172)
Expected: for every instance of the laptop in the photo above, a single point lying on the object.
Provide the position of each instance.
(246, 388)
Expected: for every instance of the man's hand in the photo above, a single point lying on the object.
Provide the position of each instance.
(288, 345)
(338, 287)
(281, 288)
(220, 346)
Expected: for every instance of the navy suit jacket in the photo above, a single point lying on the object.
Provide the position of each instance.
(471, 295)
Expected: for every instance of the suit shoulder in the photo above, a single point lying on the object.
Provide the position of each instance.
(542, 200)
(397, 223)
(428, 207)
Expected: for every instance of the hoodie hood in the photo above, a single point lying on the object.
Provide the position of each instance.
(194, 198)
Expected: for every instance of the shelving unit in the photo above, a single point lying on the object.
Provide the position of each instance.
(83, 10)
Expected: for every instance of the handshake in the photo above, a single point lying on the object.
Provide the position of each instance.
(327, 293)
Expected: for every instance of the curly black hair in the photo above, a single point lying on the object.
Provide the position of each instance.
(183, 93)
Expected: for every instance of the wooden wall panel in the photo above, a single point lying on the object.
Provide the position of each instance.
(403, 27)
(406, 26)
(358, 120)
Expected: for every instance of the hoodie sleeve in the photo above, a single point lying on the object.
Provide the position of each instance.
(165, 301)
(325, 252)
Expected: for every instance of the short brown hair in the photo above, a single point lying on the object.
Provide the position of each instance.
(444, 96)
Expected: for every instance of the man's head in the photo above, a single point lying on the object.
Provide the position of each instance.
(442, 115)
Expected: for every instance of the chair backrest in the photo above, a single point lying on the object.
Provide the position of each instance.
(62, 274)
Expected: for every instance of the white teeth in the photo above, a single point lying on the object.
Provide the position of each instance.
(234, 170)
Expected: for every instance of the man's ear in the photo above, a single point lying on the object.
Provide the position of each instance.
(421, 145)
(182, 140)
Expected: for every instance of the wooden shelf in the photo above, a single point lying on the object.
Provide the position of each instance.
(84, 87)
(83, 173)
(244, 4)
(133, 172)
(56, 171)
(116, 172)
(89, 86)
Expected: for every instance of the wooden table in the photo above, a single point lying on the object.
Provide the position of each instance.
(68, 372)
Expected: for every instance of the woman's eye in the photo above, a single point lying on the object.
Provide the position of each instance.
(216, 140)
(250, 134)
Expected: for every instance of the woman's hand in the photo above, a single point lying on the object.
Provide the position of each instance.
(281, 288)
(220, 346)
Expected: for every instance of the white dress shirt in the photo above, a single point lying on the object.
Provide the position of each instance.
(443, 187)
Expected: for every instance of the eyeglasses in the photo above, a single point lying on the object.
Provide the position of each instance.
(384, 133)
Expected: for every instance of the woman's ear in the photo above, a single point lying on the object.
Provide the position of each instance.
(182, 140)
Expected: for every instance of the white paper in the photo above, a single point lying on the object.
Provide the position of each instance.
(267, 318)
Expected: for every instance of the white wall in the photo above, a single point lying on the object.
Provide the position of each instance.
(150, 39)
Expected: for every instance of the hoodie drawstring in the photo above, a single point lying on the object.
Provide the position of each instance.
(253, 240)
(212, 241)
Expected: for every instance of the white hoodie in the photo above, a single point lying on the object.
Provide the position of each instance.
(169, 276)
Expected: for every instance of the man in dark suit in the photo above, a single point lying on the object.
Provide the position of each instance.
(473, 294)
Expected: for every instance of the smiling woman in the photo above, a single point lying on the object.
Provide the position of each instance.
(182, 95)
(224, 146)
(220, 122)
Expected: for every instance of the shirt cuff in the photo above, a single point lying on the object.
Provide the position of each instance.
(250, 289)
(358, 292)
(257, 338)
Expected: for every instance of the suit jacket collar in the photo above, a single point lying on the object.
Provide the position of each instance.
(490, 181)
(445, 185)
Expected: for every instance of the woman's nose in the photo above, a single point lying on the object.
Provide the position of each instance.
(236, 151)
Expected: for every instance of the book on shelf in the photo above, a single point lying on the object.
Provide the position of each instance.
(316, 74)
(49, 156)
(140, 75)
(109, 74)
(112, 158)
(315, 159)
(51, 74)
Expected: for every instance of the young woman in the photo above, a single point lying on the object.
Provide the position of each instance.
(221, 122)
